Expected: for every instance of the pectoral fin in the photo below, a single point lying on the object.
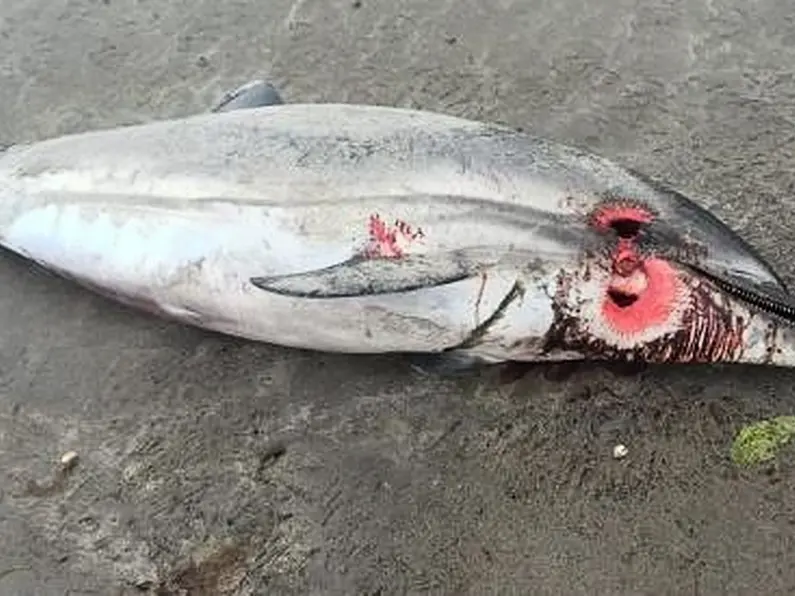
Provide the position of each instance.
(368, 277)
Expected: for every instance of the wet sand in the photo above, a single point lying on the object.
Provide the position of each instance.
(210, 465)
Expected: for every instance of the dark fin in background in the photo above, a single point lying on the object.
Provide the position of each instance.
(447, 364)
(461, 364)
(254, 94)
(370, 277)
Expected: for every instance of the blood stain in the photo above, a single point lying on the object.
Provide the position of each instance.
(642, 292)
(625, 217)
(389, 241)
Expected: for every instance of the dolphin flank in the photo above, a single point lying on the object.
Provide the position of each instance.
(362, 229)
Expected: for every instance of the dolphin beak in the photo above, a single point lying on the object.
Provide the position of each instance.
(705, 243)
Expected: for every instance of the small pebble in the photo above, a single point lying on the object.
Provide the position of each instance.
(620, 451)
(69, 459)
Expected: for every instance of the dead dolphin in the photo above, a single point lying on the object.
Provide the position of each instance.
(357, 228)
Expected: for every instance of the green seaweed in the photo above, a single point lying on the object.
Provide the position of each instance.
(761, 441)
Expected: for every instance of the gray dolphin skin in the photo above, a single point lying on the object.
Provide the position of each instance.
(368, 229)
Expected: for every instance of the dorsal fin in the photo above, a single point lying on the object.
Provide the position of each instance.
(254, 94)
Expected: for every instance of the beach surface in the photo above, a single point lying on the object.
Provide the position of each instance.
(209, 465)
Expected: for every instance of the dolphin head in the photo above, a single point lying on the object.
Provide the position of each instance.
(660, 279)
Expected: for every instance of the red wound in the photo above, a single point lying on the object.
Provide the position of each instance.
(626, 259)
(383, 240)
(624, 217)
(641, 292)
(387, 241)
(645, 298)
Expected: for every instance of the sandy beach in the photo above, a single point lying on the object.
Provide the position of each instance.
(209, 465)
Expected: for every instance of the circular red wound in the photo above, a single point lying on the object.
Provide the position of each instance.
(651, 297)
(618, 215)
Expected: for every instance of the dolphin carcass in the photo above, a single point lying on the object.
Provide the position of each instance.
(365, 229)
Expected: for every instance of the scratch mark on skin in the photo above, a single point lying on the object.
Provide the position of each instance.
(478, 332)
(480, 297)
(409, 232)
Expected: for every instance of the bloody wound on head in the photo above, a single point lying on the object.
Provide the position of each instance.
(641, 292)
